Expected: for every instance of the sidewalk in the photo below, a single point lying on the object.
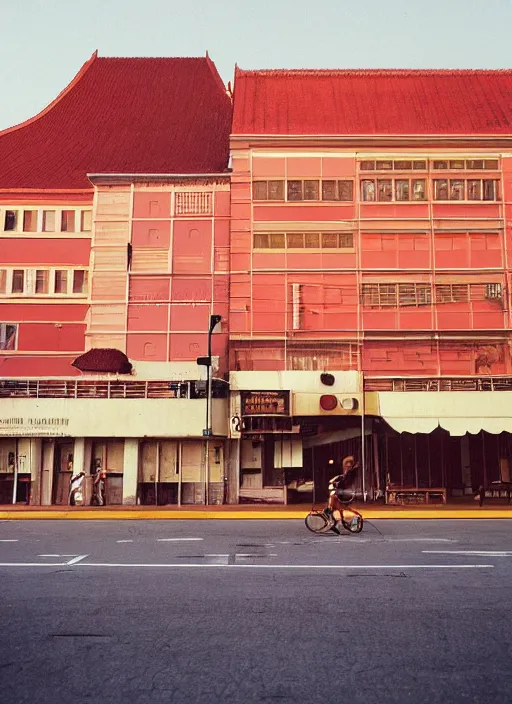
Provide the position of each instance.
(464, 510)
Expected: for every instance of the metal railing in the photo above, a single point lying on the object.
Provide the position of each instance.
(86, 388)
(478, 383)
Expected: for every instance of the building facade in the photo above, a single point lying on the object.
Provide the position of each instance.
(370, 233)
(115, 249)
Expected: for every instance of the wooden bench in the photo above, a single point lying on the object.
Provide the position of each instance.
(413, 495)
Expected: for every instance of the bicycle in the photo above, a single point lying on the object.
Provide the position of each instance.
(323, 521)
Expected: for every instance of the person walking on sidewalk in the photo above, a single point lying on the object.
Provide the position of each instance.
(99, 486)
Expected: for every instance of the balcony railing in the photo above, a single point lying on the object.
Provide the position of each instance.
(478, 383)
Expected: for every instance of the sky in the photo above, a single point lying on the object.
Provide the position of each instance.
(45, 42)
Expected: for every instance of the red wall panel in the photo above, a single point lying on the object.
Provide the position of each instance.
(47, 336)
(148, 233)
(146, 347)
(151, 205)
(27, 366)
(41, 312)
(45, 252)
(190, 317)
(191, 289)
(150, 317)
(222, 204)
(187, 347)
(149, 288)
(303, 213)
(192, 247)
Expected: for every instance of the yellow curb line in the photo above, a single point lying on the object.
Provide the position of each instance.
(106, 515)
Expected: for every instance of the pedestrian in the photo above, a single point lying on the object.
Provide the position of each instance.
(99, 485)
(76, 492)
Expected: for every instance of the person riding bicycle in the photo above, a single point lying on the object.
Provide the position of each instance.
(338, 490)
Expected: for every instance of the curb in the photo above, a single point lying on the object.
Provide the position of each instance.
(120, 515)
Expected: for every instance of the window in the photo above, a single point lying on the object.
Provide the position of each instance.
(186, 203)
(8, 334)
(3, 281)
(79, 281)
(30, 221)
(397, 165)
(61, 281)
(304, 190)
(42, 285)
(68, 221)
(86, 221)
(48, 220)
(383, 295)
(400, 188)
(468, 164)
(268, 190)
(11, 219)
(456, 189)
(464, 293)
(307, 240)
(294, 190)
(18, 281)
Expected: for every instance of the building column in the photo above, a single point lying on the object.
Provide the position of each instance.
(131, 471)
(233, 471)
(47, 472)
(79, 456)
(36, 455)
(465, 463)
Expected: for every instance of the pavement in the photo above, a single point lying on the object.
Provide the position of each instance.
(255, 611)
(465, 509)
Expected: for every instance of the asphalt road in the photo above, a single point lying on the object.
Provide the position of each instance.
(255, 611)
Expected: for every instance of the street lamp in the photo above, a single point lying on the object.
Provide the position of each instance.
(208, 431)
(207, 362)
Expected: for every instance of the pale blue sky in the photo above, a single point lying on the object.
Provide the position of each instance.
(44, 42)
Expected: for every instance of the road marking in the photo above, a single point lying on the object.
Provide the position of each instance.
(176, 540)
(486, 553)
(124, 541)
(215, 554)
(55, 555)
(77, 559)
(9, 540)
(246, 566)
(420, 540)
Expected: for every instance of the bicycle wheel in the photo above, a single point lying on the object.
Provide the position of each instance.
(317, 522)
(352, 521)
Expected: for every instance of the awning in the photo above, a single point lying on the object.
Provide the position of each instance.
(458, 412)
(103, 361)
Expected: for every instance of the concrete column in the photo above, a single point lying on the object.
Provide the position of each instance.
(465, 463)
(47, 472)
(79, 456)
(36, 456)
(233, 471)
(131, 471)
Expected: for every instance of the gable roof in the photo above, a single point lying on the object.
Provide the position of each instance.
(373, 102)
(122, 115)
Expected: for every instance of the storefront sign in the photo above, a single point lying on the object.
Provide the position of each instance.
(265, 403)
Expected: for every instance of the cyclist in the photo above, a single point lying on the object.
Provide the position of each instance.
(337, 490)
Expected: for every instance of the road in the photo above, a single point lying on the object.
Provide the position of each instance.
(255, 611)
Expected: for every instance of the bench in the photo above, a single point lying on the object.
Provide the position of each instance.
(493, 488)
(414, 495)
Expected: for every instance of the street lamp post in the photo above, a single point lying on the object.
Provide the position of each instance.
(208, 430)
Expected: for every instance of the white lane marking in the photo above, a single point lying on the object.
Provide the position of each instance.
(124, 541)
(420, 540)
(488, 553)
(9, 540)
(216, 554)
(260, 566)
(55, 555)
(77, 559)
(176, 540)
(32, 564)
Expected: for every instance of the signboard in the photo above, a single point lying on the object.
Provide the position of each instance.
(265, 403)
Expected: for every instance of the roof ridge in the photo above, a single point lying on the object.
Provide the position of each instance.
(369, 71)
(78, 76)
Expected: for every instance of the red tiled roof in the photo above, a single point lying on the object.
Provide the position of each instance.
(373, 102)
(120, 115)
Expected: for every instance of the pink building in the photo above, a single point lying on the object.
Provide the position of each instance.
(114, 219)
(370, 236)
